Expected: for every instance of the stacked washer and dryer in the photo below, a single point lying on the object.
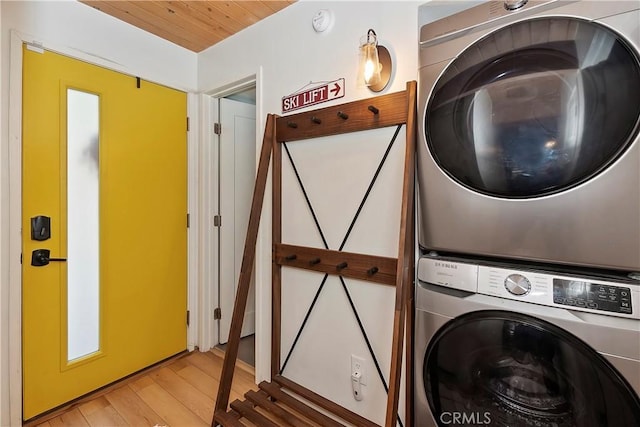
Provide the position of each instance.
(528, 290)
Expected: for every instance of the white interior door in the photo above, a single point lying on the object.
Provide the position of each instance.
(237, 176)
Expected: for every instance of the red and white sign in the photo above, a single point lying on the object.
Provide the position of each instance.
(313, 96)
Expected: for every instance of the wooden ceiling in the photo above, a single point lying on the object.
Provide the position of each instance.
(195, 25)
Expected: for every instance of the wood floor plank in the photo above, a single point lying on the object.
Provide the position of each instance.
(211, 366)
(133, 409)
(141, 383)
(179, 393)
(242, 380)
(203, 382)
(168, 407)
(99, 412)
(180, 363)
(73, 418)
(185, 393)
(206, 384)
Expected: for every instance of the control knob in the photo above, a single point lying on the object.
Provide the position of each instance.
(517, 284)
(514, 4)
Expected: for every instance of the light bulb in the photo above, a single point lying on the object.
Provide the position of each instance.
(369, 69)
(370, 65)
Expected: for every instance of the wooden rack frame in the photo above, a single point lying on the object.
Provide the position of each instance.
(272, 406)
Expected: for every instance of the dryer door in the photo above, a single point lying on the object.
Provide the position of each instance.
(535, 108)
(502, 368)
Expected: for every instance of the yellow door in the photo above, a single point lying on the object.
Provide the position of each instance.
(106, 162)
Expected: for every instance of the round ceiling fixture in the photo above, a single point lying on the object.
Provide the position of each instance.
(322, 20)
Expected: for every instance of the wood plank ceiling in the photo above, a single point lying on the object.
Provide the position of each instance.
(194, 25)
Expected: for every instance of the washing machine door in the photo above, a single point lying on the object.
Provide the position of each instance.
(502, 368)
(535, 108)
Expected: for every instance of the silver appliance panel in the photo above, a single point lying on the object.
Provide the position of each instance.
(581, 293)
(594, 223)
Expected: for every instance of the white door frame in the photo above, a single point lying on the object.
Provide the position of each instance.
(208, 109)
(236, 170)
(15, 207)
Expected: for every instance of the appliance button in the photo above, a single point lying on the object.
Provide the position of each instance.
(517, 284)
(581, 303)
(571, 301)
(592, 305)
(559, 300)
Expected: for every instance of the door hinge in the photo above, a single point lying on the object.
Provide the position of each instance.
(138, 81)
(217, 128)
(20, 258)
(188, 220)
(187, 124)
(217, 314)
(188, 317)
(217, 221)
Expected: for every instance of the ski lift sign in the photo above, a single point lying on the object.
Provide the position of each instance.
(314, 95)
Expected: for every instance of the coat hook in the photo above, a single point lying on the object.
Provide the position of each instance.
(291, 257)
(315, 261)
(342, 265)
(292, 125)
(343, 115)
(372, 271)
(373, 109)
(316, 120)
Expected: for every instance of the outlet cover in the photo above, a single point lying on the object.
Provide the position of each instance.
(357, 365)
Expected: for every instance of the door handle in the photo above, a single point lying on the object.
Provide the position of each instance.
(42, 257)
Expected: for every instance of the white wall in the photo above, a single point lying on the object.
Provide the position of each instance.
(79, 30)
(290, 55)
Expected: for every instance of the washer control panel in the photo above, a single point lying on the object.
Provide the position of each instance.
(555, 290)
(621, 299)
(606, 297)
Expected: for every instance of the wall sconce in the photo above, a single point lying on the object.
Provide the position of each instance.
(375, 62)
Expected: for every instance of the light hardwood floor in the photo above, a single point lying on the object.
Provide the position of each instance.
(181, 392)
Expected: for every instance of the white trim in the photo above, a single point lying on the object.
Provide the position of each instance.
(263, 247)
(15, 225)
(237, 86)
(15, 206)
(263, 254)
(207, 243)
(194, 220)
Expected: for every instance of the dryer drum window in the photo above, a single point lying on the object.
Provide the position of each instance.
(511, 369)
(535, 108)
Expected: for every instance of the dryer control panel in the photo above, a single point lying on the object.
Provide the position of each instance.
(537, 287)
